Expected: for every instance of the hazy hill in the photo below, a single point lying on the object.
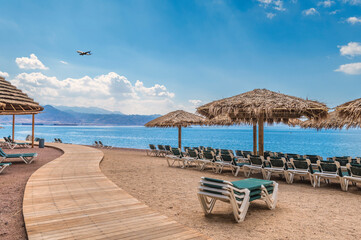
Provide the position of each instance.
(53, 115)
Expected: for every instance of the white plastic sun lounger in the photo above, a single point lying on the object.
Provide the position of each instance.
(238, 193)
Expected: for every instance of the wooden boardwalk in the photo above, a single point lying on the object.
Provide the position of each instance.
(70, 198)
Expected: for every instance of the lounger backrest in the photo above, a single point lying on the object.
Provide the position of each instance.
(186, 149)
(277, 162)
(354, 170)
(209, 155)
(177, 152)
(2, 153)
(301, 164)
(328, 166)
(246, 153)
(313, 158)
(279, 154)
(168, 148)
(161, 147)
(227, 158)
(225, 151)
(151, 146)
(342, 161)
(258, 161)
(193, 153)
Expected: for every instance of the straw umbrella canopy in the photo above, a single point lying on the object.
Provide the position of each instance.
(350, 111)
(177, 119)
(14, 102)
(262, 105)
(333, 121)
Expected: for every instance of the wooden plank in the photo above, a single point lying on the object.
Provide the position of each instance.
(70, 198)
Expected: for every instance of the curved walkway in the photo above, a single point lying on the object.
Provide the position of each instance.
(70, 198)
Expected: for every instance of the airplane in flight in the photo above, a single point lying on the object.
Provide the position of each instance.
(84, 53)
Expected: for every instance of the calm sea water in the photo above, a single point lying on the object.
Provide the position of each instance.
(277, 138)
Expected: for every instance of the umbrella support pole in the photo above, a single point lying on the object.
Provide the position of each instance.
(180, 137)
(260, 137)
(255, 139)
(13, 127)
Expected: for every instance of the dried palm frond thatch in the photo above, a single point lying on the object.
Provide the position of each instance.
(264, 104)
(14, 101)
(350, 111)
(333, 121)
(177, 118)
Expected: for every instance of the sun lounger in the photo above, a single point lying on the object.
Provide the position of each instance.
(208, 159)
(176, 157)
(354, 174)
(12, 144)
(275, 166)
(329, 170)
(152, 151)
(162, 151)
(238, 193)
(256, 165)
(26, 157)
(3, 166)
(192, 157)
(300, 167)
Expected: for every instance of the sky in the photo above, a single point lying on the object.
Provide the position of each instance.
(156, 56)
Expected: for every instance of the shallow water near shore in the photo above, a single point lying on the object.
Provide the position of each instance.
(277, 138)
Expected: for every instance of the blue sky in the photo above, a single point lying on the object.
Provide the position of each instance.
(154, 56)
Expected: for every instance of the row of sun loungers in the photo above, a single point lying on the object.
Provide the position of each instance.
(9, 143)
(344, 170)
(99, 144)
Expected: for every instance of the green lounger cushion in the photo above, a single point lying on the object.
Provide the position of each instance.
(17, 155)
(2, 164)
(252, 183)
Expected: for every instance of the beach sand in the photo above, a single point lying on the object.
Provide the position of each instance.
(302, 212)
(12, 185)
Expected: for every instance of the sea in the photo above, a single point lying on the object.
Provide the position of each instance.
(280, 138)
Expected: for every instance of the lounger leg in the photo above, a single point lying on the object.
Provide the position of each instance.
(2, 168)
(271, 200)
(206, 204)
(237, 171)
(240, 210)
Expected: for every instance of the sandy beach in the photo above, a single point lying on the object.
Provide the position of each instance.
(12, 185)
(303, 212)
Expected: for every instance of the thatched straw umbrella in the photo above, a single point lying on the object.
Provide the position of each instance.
(262, 105)
(350, 111)
(14, 102)
(333, 121)
(178, 119)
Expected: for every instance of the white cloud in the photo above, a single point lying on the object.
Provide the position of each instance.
(353, 2)
(353, 20)
(335, 12)
(311, 11)
(195, 102)
(63, 62)
(275, 4)
(326, 3)
(30, 63)
(351, 68)
(110, 91)
(351, 49)
(270, 15)
(4, 74)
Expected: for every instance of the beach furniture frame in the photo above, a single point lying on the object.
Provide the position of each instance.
(354, 174)
(12, 144)
(176, 157)
(162, 151)
(256, 165)
(238, 193)
(152, 150)
(301, 168)
(208, 159)
(3, 166)
(275, 166)
(26, 157)
(329, 170)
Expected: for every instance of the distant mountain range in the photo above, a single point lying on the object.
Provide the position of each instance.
(61, 115)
